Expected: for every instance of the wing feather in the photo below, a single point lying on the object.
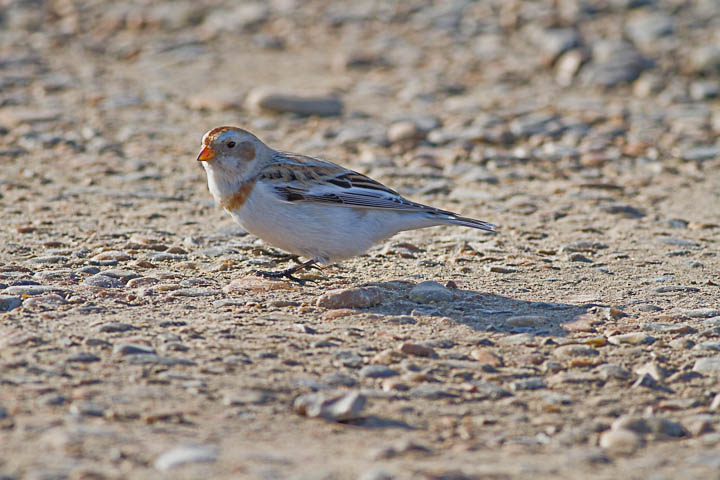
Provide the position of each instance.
(299, 178)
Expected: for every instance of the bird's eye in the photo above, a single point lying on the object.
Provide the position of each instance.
(231, 144)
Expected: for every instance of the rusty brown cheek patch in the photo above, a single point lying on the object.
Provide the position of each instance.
(246, 150)
(238, 199)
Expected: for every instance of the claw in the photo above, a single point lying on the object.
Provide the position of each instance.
(288, 273)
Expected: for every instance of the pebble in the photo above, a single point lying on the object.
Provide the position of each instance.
(140, 282)
(103, 281)
(707, 365)
(533, 383)
(620, 442)
(132, 349)
(488, 390)
(83, 357)
(113, 327)
(430, 292)
(712, 346)
(675, 289)
(699, 312)
(404, 131)
(526, 321)
(486, 356)
(9, 302)
(584, 246)
(30, 290)
(338, 408)
(677, 242)
(283, 102)
(195, 292)
(377, 371)
(256, 285)
(417, 350)
(652, 369)
(185, 454)
(499, 269)
(572, 351)
(633, 338)
(359, 297)
(611, 371)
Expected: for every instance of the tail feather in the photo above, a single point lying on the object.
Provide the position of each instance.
(472, 223)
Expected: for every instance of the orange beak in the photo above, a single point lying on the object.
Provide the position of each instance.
(206, 154)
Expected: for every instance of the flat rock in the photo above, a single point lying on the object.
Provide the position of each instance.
(338, 408)
(360, 297)
(9, 302)
(571, 351)
(256, 285)
(186, 454)
(707, 365)
(620, 442)
(430, 292)
(284, 102)
(633, 338)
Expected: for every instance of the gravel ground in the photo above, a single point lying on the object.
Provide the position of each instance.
(581, 341)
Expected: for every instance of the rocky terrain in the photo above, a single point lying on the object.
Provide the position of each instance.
(581, 341)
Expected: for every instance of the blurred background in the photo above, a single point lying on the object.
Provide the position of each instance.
(452, 97)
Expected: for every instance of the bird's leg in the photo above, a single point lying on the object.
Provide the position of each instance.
(288, 273)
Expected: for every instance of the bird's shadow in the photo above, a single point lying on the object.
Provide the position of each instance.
(482, 311)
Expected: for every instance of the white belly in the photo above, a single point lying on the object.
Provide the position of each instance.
(326, 233)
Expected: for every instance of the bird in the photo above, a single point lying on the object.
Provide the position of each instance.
(308, 206)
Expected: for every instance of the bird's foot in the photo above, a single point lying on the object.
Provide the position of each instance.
(288, 272)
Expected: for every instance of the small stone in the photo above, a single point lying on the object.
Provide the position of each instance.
(113, 327)
(183, 455)
(652, 369)
(707, 365)
(612, 371)
(682, 343)
(344, 407)
(526, 321)
(132, 349)
(256, 285)
(8, 302)
(195, 292)
(648, 307)
(111, 255)
(620, 442)
(584, 246)
(430, 392)
(700, 312)
(675, 289)
(581, 324)
(533, 383)
(572, 351)
(282, 102)
(633, 338)
(142, 282)
(578, 257)
(485, 356)
(417, 350)
(360, 297)
(404, 131)
(487, 390)
(103, 281)
(500, 269)
(430, 292)
(83, 357)
(711, 345)
(377, 371)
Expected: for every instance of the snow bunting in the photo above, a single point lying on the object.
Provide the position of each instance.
(307, 206)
